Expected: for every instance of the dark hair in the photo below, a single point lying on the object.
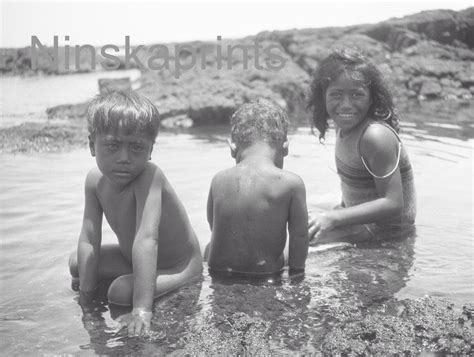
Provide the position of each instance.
(127, 110)
(259, 120)
(350, 61)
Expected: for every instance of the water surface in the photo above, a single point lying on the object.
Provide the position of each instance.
(42, 203)
(41, 212)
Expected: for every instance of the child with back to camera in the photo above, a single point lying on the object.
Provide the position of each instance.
(250, 204)
(157, 249)
(378, 193)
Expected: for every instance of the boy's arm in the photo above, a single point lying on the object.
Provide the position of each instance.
(298, 227)
(210, 207)
(145, 246)
(88, 249)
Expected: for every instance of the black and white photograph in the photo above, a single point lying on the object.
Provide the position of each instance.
(236, 178)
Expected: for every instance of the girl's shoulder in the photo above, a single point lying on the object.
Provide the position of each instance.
(376, 135)
(379, 149)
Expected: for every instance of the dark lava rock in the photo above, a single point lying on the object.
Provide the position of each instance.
(438, 326)
(210, 95)
(36, 137)
(425, 57)
(114, 84)
(424, 325)
(443, 26)
(68, 111)
(430, 48)
(430, 88)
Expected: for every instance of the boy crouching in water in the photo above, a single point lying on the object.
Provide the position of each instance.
(157, 248)
(250, 204)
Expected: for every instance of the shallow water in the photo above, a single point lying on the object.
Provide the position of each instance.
(42, 199)
(27, 98)
(41, 211)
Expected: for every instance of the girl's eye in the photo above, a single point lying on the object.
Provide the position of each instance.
(112, 146)
(335, 95)
(358, 95)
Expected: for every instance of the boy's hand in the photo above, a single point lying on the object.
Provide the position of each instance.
(138, 322)
(319, 225)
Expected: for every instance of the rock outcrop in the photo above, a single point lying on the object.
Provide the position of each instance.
(426, 57)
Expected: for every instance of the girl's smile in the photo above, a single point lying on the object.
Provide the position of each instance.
(347, 101)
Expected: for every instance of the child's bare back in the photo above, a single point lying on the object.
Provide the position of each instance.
(251, 203)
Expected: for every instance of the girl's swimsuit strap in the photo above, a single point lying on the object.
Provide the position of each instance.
(398, 154)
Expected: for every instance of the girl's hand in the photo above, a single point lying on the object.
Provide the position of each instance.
(138, 322)
(319, 225)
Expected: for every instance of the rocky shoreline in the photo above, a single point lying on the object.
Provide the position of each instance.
(427, 57)
(406, 327)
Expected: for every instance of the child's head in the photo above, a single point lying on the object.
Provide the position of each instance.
(360, 70)
(259, 120)
(125, 111)
(123, 127)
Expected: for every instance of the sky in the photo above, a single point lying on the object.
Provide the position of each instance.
(147, 22)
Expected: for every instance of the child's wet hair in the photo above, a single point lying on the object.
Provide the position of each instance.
(125, 110)
(359, 68)
(259, 120)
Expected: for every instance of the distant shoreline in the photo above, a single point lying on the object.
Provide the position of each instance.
(428, 59)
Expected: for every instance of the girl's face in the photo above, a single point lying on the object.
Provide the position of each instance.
(347, 101)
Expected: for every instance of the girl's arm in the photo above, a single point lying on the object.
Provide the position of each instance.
(88, 249)
(380, 149)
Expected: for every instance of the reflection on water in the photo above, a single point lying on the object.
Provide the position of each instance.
(41, 210)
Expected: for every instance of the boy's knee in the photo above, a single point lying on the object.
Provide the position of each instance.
(121, 291)
(73, 269)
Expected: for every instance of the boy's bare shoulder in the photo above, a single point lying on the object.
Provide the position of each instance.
(93, 178)
(292, 179)
(153, 170)
(151, 175)
(223, 175)
(288, 178)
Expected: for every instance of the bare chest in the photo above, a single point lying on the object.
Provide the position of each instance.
(120, 211)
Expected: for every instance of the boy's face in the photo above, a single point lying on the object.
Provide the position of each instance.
(120, 156)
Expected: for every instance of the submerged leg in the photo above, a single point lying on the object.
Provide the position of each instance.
(112, 264)
(121, 289)
(349, 234)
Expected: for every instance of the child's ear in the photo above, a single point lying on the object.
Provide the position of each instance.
(92, 146)
(286, 144)
(233, 148)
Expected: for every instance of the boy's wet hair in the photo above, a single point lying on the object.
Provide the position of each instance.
(259, 120)
(358, 67)
(125, 110)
